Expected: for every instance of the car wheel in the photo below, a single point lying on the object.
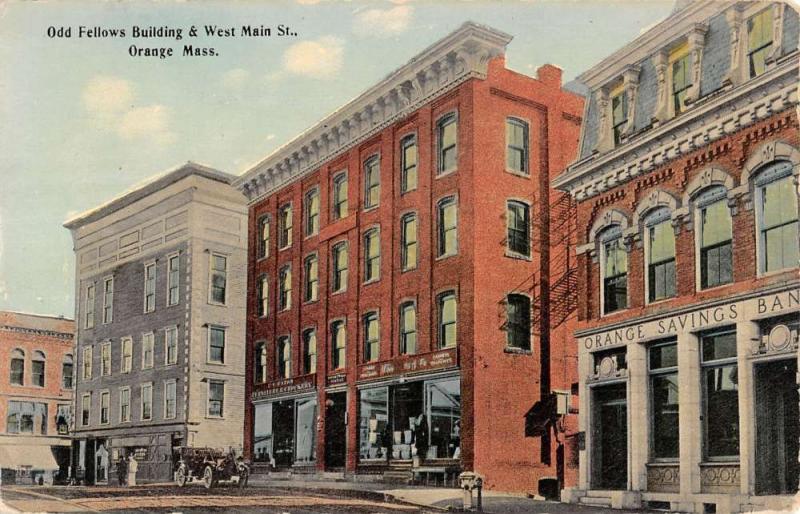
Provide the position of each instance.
(181, 475)
(208, 477)
(244, 474)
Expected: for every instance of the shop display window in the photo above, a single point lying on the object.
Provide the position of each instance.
(373, 424)
(284, 432)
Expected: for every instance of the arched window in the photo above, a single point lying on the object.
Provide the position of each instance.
(67, 372)
(516, 145)
(310, 350)
(372, 255)
(311, 273)
(263, 236)
(518, 321)
(448, 226)
(285, 287)
(37, 368)
(18, 367)
(776, 216)
(660, 252)
(338, 344)
(613, 270)
(447, 142)
(372, 182)
(447, 319)
(715, 255)
(372, 339)
(340, 262)
(260, 363)
(339, 196)
(408, 328)
(263, 296)
(518, 222)
(284, 354)
(408, 242)
(408, 163)
(311, 207)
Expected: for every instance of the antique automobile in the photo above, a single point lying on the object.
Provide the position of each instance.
(210, 466)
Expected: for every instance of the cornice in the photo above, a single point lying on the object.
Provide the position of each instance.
(36, 331)
(462, 55)
(710, 120)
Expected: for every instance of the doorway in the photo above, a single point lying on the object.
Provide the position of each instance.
(335, 431)
(777, 431)
(610, 437)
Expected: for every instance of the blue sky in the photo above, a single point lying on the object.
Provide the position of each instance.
(82, 121)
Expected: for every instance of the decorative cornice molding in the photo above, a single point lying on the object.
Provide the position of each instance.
(462, 55)
(37, 332)
(708, 121)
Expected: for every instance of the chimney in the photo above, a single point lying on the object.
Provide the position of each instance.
(550, 75)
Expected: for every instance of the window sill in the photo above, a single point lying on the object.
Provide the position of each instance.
(222, 418)
(371, 281)
(517, 351)
(660, 300)
(712, 288)
(408, 191)
(446, 256)
(612, 313)
(442, 174)
(371, 208)
(170, 364)
(262, 258)
(215, 363)
(767, 274)
(340, 291)
(217, 304)
(408, 270)
(518, 256)
(311, 302)
(520, 174)
(310, 236)
(287, 247)
(173, 305)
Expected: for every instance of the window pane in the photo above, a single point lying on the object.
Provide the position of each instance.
(716, 223)
(662, 242)
(664, 399)
(720, 346)
(722, 411)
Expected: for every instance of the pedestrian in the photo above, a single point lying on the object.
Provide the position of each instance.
(133, 467)
(122, 470)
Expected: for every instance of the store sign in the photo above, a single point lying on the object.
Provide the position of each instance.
(700, 319)
(406, 364)
(284, 386)
(335, 380)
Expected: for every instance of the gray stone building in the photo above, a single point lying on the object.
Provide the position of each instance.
(160, 316)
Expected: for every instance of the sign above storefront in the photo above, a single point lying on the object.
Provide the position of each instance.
(696, 320)
(409, 364)
(289, 385)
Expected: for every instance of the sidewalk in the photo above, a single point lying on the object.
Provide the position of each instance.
(429, 498)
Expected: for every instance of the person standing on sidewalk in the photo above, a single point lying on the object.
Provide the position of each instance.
(122, 470)
(133, 467)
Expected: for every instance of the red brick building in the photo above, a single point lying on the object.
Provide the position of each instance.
(36, 388)
(400, 272)
(689, 311)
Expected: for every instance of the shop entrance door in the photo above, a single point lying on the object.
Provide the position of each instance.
(777, 428)
(610, 437)
(335, 431)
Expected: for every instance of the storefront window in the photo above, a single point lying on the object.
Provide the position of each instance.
(664, 400)
(284, 432)
(262, 433)
(305, 430)
(373, 424)
(720, 395)
(444, 418)
(22, 417)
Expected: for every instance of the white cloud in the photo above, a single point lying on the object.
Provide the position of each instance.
(320, 58)
(107, 95)
(383, 22)
(151, 122)
(235, 78)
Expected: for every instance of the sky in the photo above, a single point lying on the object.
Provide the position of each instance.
(81, 120)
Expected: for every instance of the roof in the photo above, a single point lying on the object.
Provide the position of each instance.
(148, 187)
(41, 322)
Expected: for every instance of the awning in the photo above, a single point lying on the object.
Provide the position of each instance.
(29, 456)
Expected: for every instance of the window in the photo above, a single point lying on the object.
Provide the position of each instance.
(263, 237)
(339, 258)
(681, 80)
(312, 212)
(86, 409)
(372, 340)
(519, 228)
(619, 115)
(372, 255)
(216, 398)
(777, 213)
(173, 279)
(171, 345)
(614, 266)
(148, 343)
(447, 319)
(260, 363)
(663, 365)
(312, 278)
(284, 354)
(338, 344)
(18, 367)
(150, 287)
(408, 328)
(87, 363)
(310, 351)
(26, 418)
(170, 399)
(108, 300)
(262, 290)
(448, 236)
(660, 255)
(408, 164)
(340, 196)
(447, 139)
(216, 345)
(759, 41)
(285, 291)
(372, 182)
(720, 395)
(126, 354)
(63, 418)
(124, 404)
(518, 322)
(285, 219)
(147, 401)
(105, 404)
(105, 359)
(716, 253)
(37, 368)
(89, 307)
(517, 145)
(408, 242)
(219, 278)
(67, 372)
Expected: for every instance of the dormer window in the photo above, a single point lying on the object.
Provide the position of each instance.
(619, 114)
(759, 41)
(680, 62)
